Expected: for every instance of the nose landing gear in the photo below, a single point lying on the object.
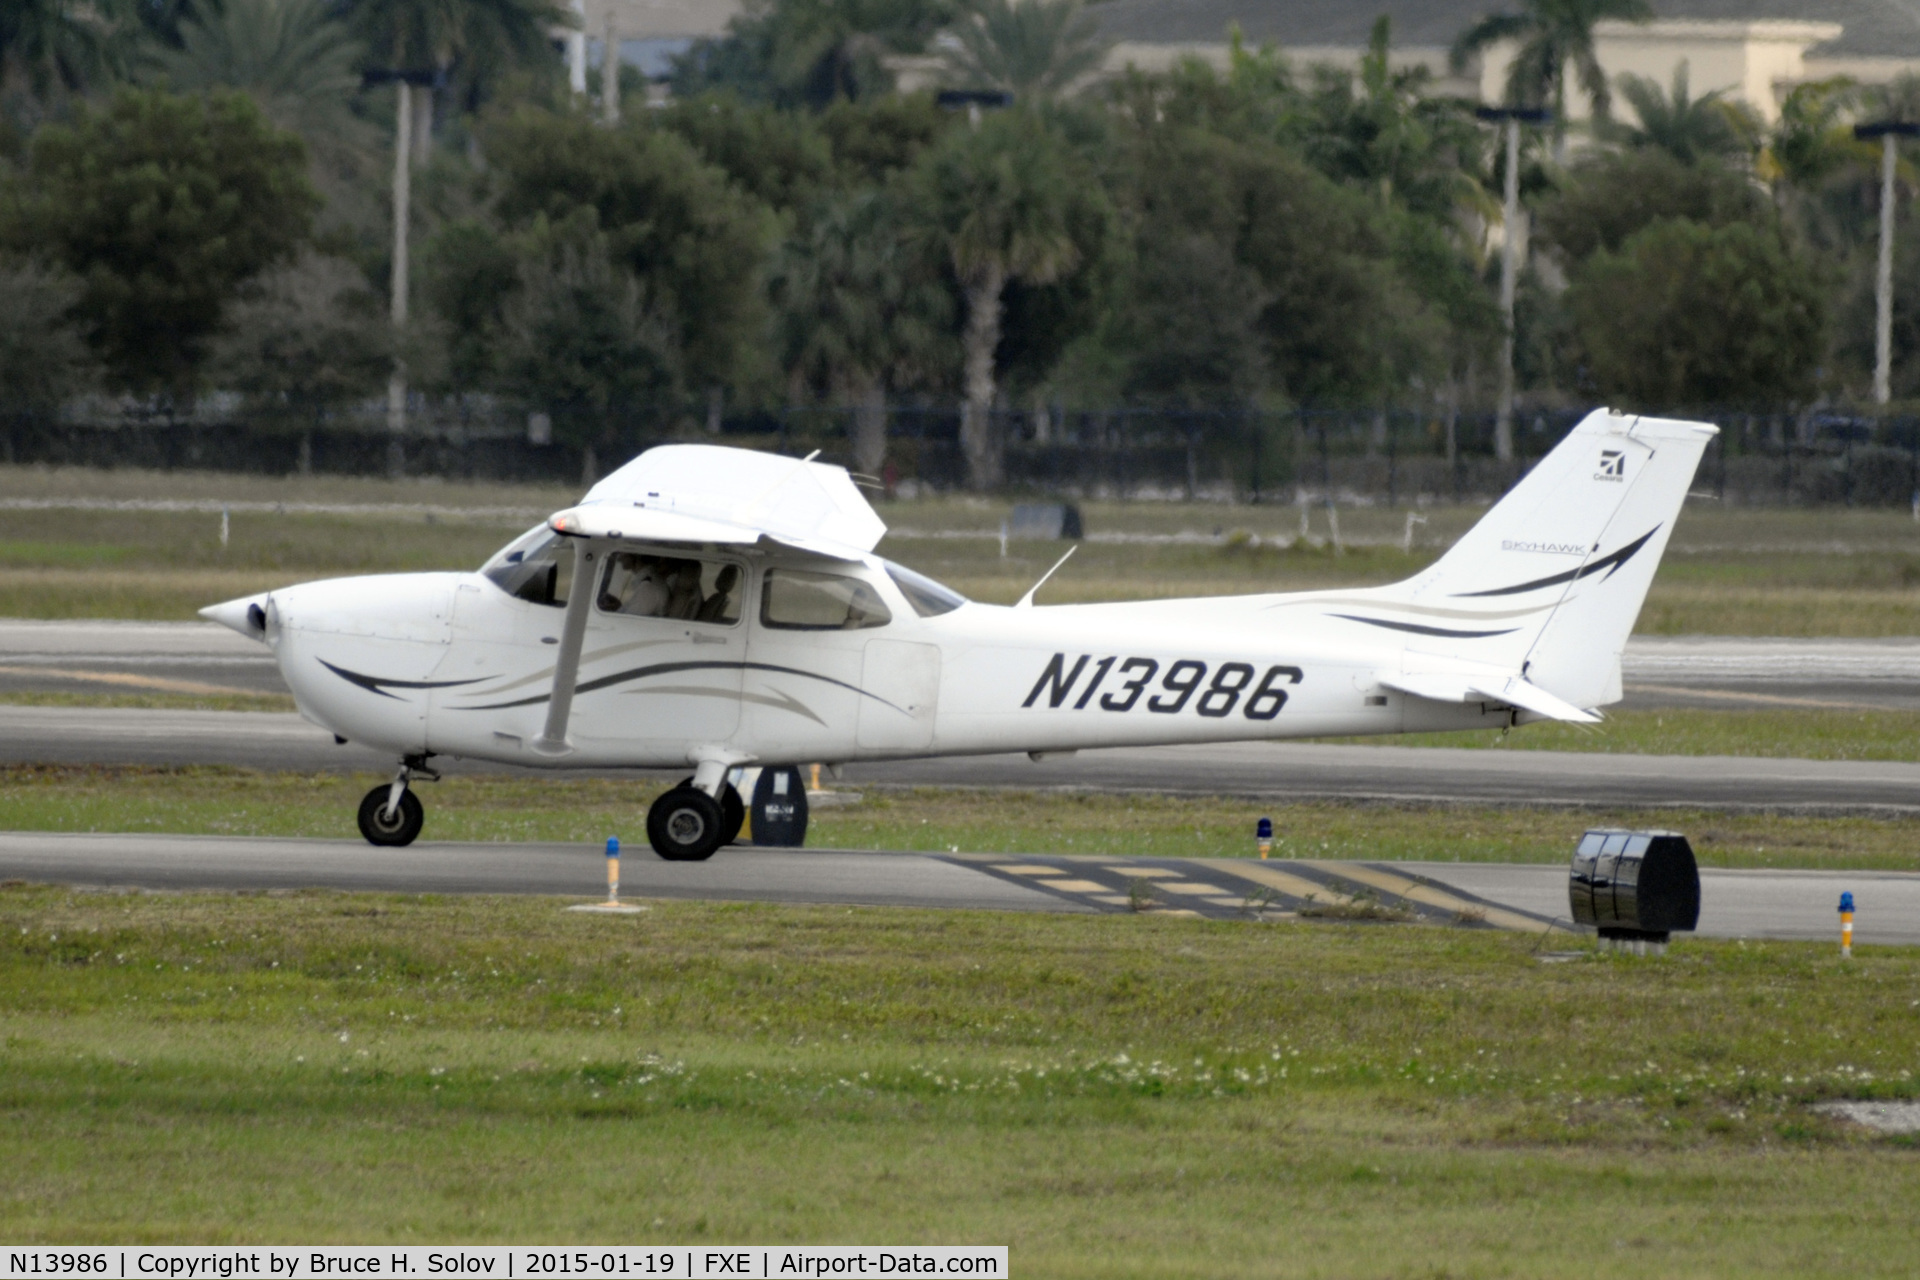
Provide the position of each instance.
(392, 815)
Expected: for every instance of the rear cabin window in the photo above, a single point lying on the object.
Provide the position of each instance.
(929, 598)
(794, 600)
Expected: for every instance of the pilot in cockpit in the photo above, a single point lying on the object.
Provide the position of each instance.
(636, 585)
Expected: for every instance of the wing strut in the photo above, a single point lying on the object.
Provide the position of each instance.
(566, 666)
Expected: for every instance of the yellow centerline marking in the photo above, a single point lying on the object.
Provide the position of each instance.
(1763, 699)
(158, 683)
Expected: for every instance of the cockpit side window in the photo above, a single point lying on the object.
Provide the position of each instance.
(929, 598)
(536, 566)
(795, 600)
(643, 585)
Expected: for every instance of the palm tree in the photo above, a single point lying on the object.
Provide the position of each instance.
(67, 46)
(1024, 47)
(291, 56)
(1812, 140)
(425, 37)
(1551, 35)
(999, 199)
(859, 310)
(1687, 128)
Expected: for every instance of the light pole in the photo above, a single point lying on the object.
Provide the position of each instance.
(405, 80)
(1887, 131)
(1513, 118)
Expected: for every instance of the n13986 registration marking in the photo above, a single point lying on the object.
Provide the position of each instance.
(1183, 678)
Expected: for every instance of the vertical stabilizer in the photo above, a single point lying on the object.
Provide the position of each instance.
(1556, 572)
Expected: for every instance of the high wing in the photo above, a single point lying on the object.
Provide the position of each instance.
(698, 493)
(701, 494)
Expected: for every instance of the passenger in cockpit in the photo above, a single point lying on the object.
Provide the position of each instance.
(719, 605)
(683, 589)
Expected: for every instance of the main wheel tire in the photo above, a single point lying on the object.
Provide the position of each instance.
(685, 825)
(400, 829)
(733, 810)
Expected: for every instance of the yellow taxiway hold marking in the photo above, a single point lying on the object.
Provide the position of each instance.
(1273, 878)
(1429, 895)
(1029, 871)
(1072, 886)
(1186, 886)
(158, 683)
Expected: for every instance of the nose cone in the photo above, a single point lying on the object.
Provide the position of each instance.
(247, 615)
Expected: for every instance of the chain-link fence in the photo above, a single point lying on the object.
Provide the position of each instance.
(1391, 456)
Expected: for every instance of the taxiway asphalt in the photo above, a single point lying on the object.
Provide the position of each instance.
(1708, 671)
(1792, 905)
(1258, 770)
(92, 656)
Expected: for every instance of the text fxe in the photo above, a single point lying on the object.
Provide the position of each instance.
(182, 1262)
(706, 608)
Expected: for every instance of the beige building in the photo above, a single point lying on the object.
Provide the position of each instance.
(650, 33)
(1755, 50)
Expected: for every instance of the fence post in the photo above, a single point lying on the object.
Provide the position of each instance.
(1393, 460)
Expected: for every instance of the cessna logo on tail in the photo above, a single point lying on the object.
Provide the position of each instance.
(1613, 466)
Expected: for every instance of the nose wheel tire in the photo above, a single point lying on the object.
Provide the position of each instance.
(685, 825)
(399, 829)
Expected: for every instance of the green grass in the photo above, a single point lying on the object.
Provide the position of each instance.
(1117, 1095)
(1728, 571)
(219, 801)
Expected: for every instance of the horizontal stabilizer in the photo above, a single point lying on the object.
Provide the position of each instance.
(1514, 691)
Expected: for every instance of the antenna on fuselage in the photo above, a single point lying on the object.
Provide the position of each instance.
(1026, 601)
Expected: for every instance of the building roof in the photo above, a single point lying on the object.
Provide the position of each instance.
(1873, 28)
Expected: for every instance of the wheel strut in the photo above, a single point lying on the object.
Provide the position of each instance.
(409, 766)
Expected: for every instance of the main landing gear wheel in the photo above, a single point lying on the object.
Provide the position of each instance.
(685, 825)
(399, 828)
(733, 810)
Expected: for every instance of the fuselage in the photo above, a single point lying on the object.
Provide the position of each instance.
(777, 658)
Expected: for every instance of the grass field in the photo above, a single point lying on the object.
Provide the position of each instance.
(208, 801)
(1110, 1096)
(1823, 572)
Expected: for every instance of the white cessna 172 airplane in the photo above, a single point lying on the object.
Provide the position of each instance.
(714, 607)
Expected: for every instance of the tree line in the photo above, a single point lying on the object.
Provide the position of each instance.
(197, 196)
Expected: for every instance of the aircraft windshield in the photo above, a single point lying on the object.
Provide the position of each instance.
(536, 566)
(928, 598)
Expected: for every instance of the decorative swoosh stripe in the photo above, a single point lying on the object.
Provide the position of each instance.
(668, 668)
(1419, 630)
(375, 684)
(1427, 610)
(1608, 563)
